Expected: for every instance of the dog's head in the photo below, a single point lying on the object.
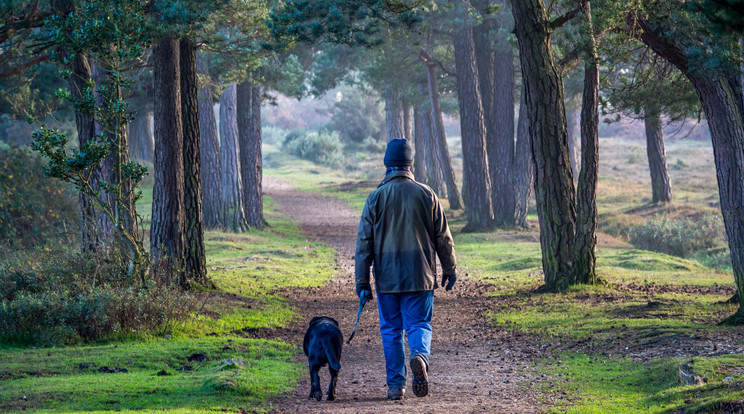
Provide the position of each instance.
(321, 319)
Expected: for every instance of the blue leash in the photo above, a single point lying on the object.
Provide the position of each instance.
(362, 301)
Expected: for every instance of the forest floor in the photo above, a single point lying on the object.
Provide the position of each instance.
(474, 367)
(621, 346)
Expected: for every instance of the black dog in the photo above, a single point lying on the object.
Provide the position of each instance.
(322, 345)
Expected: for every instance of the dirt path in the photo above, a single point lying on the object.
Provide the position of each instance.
(474, 367)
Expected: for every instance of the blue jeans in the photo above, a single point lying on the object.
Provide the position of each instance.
(410, 311)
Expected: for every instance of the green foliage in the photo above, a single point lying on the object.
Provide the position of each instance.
(320, 147)
(112, 33)
(350, 22)
(357, 116)
(159, 376)
(272, 135)
(610, 385)
(51, 296)
(33, 208)
(679, 237)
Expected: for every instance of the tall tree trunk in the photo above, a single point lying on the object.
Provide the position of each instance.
(660, 185)
(585, 256)
(524, 165)
(232, 214)
(486, 69)
(496, 80)
(195, 259)
(166, 229)
(249, 133)
(727, 133)
(91, 237)
(86, 127)
(419, 147)
(210, 155)
(574, 135)
(105, 170)
(554, 190)
(141, 142)
(408, 122)
(434, 174)
(476, 181)
(393, 114)
(725, 116)
(503, 187)
(453, 193)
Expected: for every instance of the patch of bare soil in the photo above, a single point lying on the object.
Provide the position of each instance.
(475, 367)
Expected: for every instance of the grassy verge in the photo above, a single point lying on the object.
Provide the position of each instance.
(647, 301)
(250, 270)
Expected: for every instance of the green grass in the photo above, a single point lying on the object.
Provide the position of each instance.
(610, 385)
(67, 379)
(250, 270)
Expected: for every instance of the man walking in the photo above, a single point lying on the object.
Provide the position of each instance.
(401, 229)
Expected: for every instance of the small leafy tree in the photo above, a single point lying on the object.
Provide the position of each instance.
(114, 35)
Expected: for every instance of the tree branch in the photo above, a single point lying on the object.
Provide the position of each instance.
(573, 58)
(564, 18)
(427, 59)
(19, 69)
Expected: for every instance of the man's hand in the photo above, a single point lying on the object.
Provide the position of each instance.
(365, 294)
(452, 278)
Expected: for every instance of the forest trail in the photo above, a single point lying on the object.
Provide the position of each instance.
(475, 367)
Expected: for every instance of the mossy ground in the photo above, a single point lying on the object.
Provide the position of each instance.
(642, 294)
(249, 270)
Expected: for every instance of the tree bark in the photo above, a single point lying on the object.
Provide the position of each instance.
(166, 229)
(393, 114)
(104, 172)
(408, 122)
(434, 174)
(554, 190)
(574, 136)
(210, 155)
(419, 147)
(726, 122)
(141, 141)
(249, 133)
(86, 127)
(91, 236)
(233, 215)
(476, 180)
(503, 116)
(660, 185)
(524, 166)
(440, 138)
(585, 256)
(195, 259)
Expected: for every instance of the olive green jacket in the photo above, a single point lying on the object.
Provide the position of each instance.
(401, 229)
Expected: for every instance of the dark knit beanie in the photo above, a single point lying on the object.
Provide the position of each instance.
(398, 153)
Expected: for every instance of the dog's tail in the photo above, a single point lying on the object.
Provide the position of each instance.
(333, 361)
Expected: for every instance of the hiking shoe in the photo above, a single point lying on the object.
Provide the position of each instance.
(396, 394)
(420, 382)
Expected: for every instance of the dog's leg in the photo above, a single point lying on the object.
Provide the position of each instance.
(315, 391)
(332, 385)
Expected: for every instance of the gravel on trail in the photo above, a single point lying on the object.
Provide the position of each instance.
(474, 366)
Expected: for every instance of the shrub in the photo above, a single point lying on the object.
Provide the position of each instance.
(357, 115)
(50, 296)
(294, 135)
(679, 237)
(273, 135)
(318, 147)
(33, 208)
